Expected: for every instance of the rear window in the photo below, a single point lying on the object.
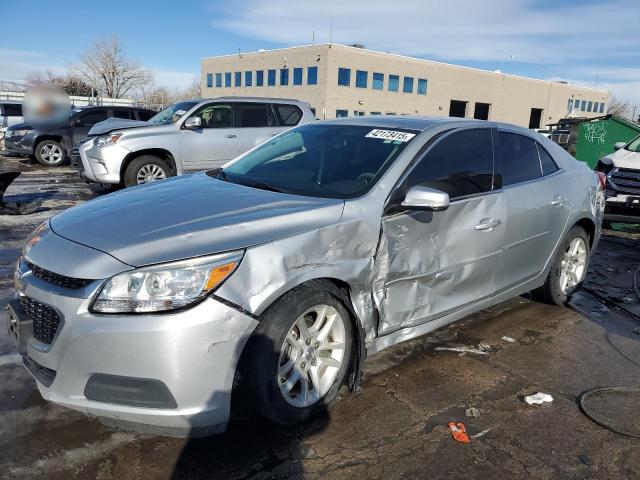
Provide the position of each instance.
(122, 114)
(520, 161)
(12, 109)
(289, 115)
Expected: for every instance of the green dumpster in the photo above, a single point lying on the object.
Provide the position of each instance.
(597, 137)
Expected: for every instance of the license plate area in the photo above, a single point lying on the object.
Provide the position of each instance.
(19, 326)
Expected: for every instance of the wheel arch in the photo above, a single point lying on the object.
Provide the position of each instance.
(41, 138)
(156, 152)
(589, 226)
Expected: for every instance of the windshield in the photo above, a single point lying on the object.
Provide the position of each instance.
(634, 145)
(321, 160)
(173, 113)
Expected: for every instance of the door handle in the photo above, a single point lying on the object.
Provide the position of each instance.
(231, 135)
(558, 201)
(488, 224)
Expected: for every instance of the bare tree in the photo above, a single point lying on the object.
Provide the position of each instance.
(72, 84)
(105, 67)
(619, 108)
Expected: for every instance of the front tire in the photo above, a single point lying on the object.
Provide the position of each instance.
(568, 270)
(299, 356)
(147, 168)
(50, 153)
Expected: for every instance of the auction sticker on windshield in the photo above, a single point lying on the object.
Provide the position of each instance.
(392, 135)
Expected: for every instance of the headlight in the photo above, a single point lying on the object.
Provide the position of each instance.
(165, 287)
(106, 139)
(17, 133)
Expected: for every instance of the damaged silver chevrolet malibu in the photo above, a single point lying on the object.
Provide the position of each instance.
(272, 278)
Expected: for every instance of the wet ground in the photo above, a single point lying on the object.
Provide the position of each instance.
(397, 426)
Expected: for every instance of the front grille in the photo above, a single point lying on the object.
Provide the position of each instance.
(626, 181)
(45, 319)
(57, 279)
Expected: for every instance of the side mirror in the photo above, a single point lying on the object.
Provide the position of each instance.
(619, 145)
(193, 123)
(425, 198)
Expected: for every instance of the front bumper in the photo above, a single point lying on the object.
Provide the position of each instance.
(623, 209)
(192, 354)
(103, 164)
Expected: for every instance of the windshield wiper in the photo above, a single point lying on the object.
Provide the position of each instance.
(263, 186)
(218, 173)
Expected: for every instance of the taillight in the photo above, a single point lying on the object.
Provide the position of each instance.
(603, 179)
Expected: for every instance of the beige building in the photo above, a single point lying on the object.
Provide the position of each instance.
(338, 80)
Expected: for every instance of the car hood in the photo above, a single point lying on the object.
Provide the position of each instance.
(111, 124)
(190, 216)
(20, 126)
(625, 159)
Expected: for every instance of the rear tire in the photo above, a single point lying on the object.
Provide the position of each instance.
(568, 270)
(290, 373)
(50, 153)
(147, 168)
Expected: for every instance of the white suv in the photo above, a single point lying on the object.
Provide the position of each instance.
(188, 136)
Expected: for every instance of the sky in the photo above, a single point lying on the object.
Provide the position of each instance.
(585, 42)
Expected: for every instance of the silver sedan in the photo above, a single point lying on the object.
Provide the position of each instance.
(274, 277)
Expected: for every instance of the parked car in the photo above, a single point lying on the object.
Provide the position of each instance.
(51, 142)
(10, 114)
(275, 276)
(186, 137)
(623, 182)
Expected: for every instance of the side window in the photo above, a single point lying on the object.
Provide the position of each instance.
(93, 117)
(519, 156)
(290, 115)
(122, 114)
(460, 164)
(216, 115)
(12, 109)
(251, 115)
(548, 165)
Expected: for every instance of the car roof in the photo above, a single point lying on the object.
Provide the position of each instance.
(253, 99)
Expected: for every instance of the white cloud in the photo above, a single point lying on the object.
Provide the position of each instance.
(452, 29)
(555, 37)
(173, 79)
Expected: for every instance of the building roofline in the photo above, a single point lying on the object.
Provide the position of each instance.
(417, 59)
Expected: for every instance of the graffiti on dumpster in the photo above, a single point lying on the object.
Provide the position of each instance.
(595, 132)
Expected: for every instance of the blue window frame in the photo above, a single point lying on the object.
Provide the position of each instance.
(570, 104)
(407, 85)
(271, 77)
(218, 80)
(227, 79)
(595, 106)
(259, 78)
(344, 77)
(394, 82)
(583, 105)
(284, 76)
(248, 79)
(238, 79)
(342, 113)
(602, 108)
(209, 79)
(422, 86)
(589, 106)
(312, 75)
(378, 81)
(362, 78)
(297, 76)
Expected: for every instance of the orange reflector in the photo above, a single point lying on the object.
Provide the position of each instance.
(218, 274)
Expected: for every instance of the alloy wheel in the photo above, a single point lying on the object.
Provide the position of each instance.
(50, 153)
(150, 173)
(573, 265)
(311, 356)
